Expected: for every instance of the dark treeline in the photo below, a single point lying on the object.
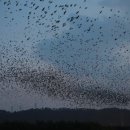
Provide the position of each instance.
(56, 125)
(105, 117)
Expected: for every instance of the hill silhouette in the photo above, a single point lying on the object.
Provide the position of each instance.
(106, 117)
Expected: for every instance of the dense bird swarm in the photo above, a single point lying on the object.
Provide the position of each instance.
(77, 51)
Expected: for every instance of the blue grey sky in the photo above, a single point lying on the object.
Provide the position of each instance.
(93, 49)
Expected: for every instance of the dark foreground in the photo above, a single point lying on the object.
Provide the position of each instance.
(65, 119)
(105, 117)
(56, 125)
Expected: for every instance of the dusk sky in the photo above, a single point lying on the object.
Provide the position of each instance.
(83, 44)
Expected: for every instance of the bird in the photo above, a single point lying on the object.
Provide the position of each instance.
(78, 45)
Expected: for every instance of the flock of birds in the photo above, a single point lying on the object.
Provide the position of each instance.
(79, 45)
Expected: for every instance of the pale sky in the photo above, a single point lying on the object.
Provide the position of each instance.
(87, 40)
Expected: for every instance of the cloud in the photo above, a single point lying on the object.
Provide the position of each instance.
(92, 53)
(78, 48)
(122, 4)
